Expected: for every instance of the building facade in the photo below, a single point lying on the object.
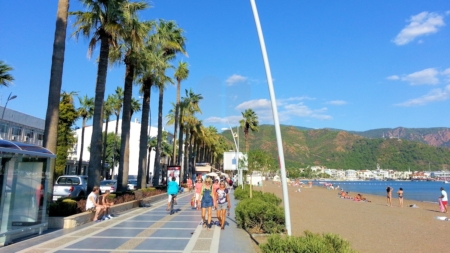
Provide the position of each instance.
(17, 126)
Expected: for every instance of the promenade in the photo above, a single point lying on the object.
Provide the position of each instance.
(149, 229)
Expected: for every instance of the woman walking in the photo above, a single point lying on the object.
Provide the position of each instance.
(208, 200)
(222, 203)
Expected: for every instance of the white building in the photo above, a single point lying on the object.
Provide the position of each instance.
(135, 130)
(351, 175)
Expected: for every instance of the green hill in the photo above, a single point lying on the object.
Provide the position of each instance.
(339, 149)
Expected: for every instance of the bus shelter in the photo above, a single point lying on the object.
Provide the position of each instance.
(25, 189)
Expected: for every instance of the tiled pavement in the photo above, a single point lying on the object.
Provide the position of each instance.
(144, 230)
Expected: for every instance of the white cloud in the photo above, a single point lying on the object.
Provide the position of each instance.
(432, 96)
(287, 109)
(337, 102)
(301, 110)
(446, 72)
(230, 120)
(235, 79)
(393, 77)
(426, 76)
(424, 23)
(255, 105)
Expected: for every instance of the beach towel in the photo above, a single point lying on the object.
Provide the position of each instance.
(441, 205)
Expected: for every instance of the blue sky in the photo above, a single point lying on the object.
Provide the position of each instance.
(353, 65)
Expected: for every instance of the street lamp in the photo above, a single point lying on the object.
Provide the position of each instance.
(287, 213)
(9, 98)
(236, 144)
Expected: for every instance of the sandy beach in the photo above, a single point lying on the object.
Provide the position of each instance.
(368, 226)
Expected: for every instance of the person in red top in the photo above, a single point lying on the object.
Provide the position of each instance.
(189, 184)
(198, 192)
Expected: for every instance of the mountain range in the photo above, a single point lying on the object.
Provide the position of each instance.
(414, 149)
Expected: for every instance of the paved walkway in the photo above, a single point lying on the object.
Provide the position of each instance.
(149, 229)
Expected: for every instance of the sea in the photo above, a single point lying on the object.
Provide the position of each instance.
(427, 191)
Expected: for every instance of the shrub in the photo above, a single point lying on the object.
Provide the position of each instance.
(241, 194)
(257, 216)
(310, 242)
(63, 207)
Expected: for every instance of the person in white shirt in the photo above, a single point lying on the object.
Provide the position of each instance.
(93, 205)
(444, 198)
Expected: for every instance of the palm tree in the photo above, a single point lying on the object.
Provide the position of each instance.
(249, 122)
(181, 74)
(171, 41)
(5, 77)
(85, 111)
(117, 102)
(102, 22)
(188, 106)
(135, 106)
(107, 112)
(56, 72)
(130, 52)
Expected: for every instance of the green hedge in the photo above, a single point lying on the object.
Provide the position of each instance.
(63, 207)
(309, 243)
(241, 194)
(258, 216)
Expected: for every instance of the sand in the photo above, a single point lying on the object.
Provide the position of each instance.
(368, 226)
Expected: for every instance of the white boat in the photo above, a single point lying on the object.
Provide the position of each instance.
(446, 182)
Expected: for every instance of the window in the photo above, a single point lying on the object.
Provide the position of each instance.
(30, 134)
(40, 137)
(3, 128)
(16, 131)
(69, 181)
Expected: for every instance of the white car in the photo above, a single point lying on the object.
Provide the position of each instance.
(132, 184)
(110, 185)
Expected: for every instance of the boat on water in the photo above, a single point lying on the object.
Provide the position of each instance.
(446, 182)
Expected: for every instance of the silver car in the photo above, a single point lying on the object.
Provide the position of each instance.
(70, 186)
(110, 185)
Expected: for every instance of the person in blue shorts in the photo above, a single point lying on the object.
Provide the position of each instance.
(172, 188)
(208, 200)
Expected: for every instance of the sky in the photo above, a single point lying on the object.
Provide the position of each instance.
(351, 65)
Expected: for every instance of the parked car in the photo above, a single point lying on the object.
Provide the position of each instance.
(132, 184)
(70, 186)
(110, 185)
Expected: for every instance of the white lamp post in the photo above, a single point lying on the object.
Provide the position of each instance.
(287, 213)
(236, 145)
(9, 98)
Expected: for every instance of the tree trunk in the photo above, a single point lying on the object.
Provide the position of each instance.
(159, 140)
(177, 109)
(80, 162)
(143, 139)
(180, 142)
(105, 141)
(124, 165)
(186, 156)
(97, 122)
(54, 89)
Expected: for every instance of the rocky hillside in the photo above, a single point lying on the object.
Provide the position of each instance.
(356, 150)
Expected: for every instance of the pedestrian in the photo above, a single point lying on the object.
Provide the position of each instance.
(222, 203)
(400, 196)
(198, 192)
(189, 184)
(389, 195)
(444, 199)
(215, 187)
(208, 200)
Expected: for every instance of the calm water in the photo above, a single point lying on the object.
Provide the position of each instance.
(415, 190)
